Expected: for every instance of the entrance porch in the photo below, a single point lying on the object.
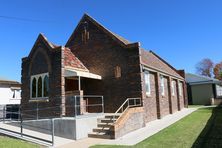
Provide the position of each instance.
(82, 93)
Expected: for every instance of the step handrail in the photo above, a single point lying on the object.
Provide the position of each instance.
(121, 108)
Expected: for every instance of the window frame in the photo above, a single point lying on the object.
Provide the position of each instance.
(180, 89)
(162, 85)
(218, 90)
(46, 93)
(42, 75)
(147, 82)
(173, 87)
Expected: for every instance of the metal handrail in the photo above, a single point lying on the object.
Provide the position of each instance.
(121, 108)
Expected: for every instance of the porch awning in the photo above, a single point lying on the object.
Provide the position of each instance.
(86, 74)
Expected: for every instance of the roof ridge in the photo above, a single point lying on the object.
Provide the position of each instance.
(113, 35)
(42, 37)
(164, 61)
(206, 77)
(4, 79)
(52, 45)
(166, 67)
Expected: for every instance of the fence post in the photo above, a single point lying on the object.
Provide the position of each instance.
(53, 132)
(4, 114)
(75, 107)
(19, 112)
(37, 111)
(10, 112)
(102, 104)
(21, 126)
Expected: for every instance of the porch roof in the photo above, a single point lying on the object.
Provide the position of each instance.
(76, 72)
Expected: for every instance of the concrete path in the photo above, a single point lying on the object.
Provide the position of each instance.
(58, 140)
(136, 136)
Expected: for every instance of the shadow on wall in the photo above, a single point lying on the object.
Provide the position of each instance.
(211, 135)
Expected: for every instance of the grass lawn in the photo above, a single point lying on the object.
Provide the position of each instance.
(195, 106)
(202, 128)
(6, 142)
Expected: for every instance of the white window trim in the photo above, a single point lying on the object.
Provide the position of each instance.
(162, 85)
(219, 90)
(180, 89)
(173, 88)
(42, 75)
(147, 81)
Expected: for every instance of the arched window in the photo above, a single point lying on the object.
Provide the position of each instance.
(39, 94)
(34, 88)
(39, 86)
(46, 86)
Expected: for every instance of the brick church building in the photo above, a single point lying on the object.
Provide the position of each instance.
(96, 61)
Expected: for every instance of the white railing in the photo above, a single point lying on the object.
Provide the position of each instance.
(129, 103)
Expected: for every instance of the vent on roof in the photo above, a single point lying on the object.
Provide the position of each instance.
(85, 33)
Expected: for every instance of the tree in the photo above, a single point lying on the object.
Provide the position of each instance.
(205, 67)
(218, 71)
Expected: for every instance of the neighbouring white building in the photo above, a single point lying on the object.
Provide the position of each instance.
(10, 97)
(203, 90)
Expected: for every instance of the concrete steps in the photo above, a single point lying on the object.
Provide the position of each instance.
(99, 135)
(103, 127)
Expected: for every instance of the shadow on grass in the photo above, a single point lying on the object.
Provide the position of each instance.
(211, 135)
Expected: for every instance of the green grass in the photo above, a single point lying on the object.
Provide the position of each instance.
(195, 106)
(199, 129)
(6, 142)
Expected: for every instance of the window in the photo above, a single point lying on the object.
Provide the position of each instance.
(173, 88)
(180, 89)
(117, 72)
(39, 86)
(219, 90)
(34, 88)
(13, 96)
(46, 86)
(162, 85)
(147, 83)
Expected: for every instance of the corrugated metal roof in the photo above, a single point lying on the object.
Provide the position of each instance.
(198, 79)
(3, 79)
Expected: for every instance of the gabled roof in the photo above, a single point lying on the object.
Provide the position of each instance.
(71, 61)
(43, 39)
(194, 79)
(114, 36)
(149, 59)
(152, 60)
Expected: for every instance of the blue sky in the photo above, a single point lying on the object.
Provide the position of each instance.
(181, 31)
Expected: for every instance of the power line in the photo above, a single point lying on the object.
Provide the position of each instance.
(20, 19)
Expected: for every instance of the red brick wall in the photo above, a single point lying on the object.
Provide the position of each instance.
(42, 60)
(182, 98)
(149, 102)
(164, 100)
(101, 54)
(174, 98)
